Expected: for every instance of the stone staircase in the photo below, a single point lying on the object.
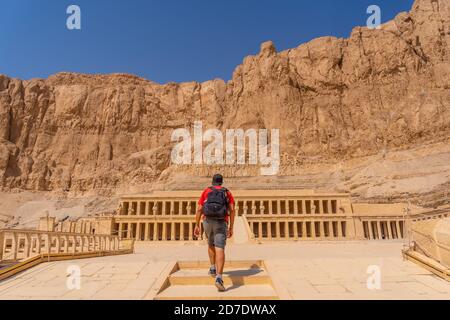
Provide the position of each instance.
(244, 280)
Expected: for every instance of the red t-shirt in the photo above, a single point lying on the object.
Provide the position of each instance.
(204, 196)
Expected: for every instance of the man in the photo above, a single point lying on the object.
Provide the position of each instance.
(216, 206)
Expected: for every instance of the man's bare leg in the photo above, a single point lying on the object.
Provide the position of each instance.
(212, 254)
(212, 260)
(220, 260)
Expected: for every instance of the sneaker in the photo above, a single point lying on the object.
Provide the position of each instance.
(212, 272)
(219, 284)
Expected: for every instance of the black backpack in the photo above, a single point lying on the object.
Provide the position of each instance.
(216, 205)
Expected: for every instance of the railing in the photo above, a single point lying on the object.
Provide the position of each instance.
(18, 244)
(429, 244)
(433, 214)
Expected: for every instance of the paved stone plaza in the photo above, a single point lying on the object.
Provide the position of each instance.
(312, 270)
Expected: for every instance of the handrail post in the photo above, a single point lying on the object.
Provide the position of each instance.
(2, 239)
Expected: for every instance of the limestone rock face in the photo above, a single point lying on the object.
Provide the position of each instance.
(332, 99)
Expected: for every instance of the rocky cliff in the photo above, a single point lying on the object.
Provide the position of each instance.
(334, 100)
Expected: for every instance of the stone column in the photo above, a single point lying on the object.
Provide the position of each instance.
(48, 243)
(14, 246)
(338, 232)
(120, 230)
(322, 228)
(394, 229)
(138, 231)
(38, 243)
(399, 230)
(155, 231)
(321, 207)
(304, 233)
(130, 225)
(286, 229)
(58, 244)
(191, 231)
(389, 231)
(380, 235)
(164, 231)
(182, 231)
(27, 248)
(82, 243)
(313, 227)
(146, 231)
(279, 206)
(172, 231)
(74, 244)
(295, 227)
(295, 207)
(374, 229)
(270, 207)
(369, 223)
(269, 230)
(138, 208)
(278, 233)
(66, 244)
(260, 230)
(73, 248)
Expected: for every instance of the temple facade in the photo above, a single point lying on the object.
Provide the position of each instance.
(269, 214)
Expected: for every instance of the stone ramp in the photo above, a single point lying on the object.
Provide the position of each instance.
(240, 235)
(244, 280)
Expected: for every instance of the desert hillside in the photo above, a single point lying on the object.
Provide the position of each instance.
(368, 115)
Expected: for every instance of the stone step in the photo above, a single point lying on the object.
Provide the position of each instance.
(232, 276)
(243, 280)
(210, 292)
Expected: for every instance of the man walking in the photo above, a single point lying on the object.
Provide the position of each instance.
(216, 206)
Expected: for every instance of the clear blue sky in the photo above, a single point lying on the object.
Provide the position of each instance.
(166, 40)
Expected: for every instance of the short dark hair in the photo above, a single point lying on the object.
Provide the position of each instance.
(217, 180)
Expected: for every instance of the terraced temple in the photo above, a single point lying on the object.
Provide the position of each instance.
(267, 215)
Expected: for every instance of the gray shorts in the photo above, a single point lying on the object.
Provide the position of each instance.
(216, 232)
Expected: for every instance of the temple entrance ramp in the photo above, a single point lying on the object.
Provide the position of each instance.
(241, 231)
